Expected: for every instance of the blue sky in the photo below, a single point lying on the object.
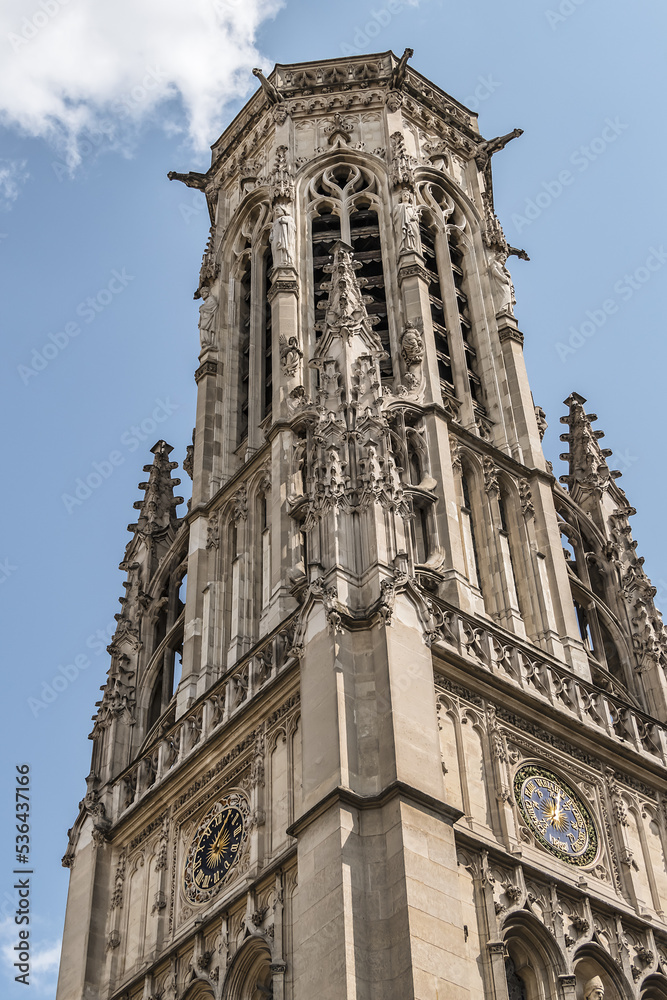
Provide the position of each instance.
(100, 254)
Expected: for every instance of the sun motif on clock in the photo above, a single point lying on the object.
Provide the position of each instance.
(556, 815)
(218, 844)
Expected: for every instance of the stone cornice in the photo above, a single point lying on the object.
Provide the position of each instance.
(354, 800)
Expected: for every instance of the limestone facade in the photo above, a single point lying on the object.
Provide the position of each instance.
(390, 615)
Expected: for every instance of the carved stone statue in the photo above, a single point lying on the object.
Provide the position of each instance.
(290, 353)
(283, 237)
(207, 313)
(407, 224)
(501, 285)
(594, 989)
(412, 347)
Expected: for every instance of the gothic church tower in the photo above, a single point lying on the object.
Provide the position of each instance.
(417, 748)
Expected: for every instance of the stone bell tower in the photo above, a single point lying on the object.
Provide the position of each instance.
(417, 745)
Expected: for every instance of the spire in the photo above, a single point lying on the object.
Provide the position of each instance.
(158, 505)
(587, 460)
(157, 515)
(346, 313)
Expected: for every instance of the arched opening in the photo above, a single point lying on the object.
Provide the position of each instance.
(250, 976)
(596, 970)
(345, 207)
(534, 960)
(199, 991)
(654, 987)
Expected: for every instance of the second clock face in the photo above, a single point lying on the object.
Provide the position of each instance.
(216, 848)
(556, 815)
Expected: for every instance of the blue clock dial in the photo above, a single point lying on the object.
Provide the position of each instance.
(216, 848)
(556, 815)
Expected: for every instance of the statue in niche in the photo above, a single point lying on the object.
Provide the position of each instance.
(594, 989)
(407, 223)
(283, 237)
(501, 286)
(208, 311)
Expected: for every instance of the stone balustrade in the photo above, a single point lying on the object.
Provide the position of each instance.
(227, 697)
(527, 668)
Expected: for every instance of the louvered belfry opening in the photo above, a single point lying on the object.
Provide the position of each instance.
(267, 353)
(456, 256)
(365, 241)
(440, 334)
(325, 231)
(244, 352)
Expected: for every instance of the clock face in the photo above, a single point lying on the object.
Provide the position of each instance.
(215, 850)
(556, 815)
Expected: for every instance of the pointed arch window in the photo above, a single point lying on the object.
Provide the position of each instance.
(609, 651)
(345, 206)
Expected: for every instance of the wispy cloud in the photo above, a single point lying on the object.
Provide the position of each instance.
(73, 66)
(13, 174)
(44, 959)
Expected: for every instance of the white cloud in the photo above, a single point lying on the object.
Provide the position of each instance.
(76, 66)
(13, 173)
(44, 959)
